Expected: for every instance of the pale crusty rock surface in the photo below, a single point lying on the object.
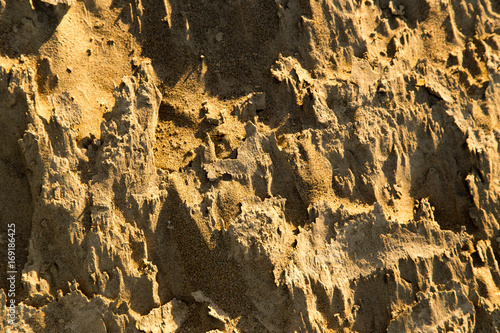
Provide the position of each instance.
(251, 166)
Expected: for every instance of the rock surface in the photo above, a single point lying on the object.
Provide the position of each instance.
(251, 166)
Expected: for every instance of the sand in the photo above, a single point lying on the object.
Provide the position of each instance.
(250, 166)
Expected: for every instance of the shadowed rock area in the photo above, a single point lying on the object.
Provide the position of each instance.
(250, 166)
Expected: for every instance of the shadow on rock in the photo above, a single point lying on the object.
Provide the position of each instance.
(26, 26)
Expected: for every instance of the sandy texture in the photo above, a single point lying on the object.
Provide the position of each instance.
(250, 165)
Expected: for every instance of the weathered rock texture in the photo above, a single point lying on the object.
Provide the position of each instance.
(251, 166)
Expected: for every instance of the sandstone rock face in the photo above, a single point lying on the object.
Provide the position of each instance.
(250, 166)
